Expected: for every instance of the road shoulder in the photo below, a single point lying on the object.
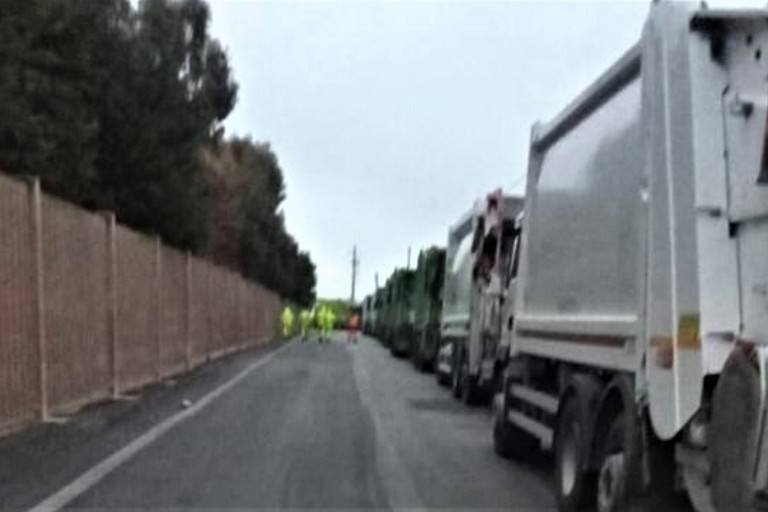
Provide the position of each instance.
(42, 459)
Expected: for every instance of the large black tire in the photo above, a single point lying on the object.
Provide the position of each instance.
(442, 379)
(396, 349)
(612, 485)
(470, 393)
(509, 440)
(734, 432)
(619, 451)
(417, 356)
(575, 483)
(456, 362)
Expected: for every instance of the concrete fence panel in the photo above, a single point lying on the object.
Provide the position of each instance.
(252, 313)
(200, 321)
(218, 309)
(173, 312)
(138, 340)
(232, 328)
(245, 331)
(20, 397)
(261, 313)
(75, 276)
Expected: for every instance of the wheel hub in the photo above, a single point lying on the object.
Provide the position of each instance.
(609, 482)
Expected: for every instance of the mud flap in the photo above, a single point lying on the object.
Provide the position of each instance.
(733, 433)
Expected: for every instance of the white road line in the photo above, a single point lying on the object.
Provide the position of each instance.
(91, 477)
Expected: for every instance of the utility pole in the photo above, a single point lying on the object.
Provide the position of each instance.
(355, 263)
(408, 263)
(376, 279)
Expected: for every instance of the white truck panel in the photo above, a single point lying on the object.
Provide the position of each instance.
(745, 112)
(718, 279)
(674, 368)
(585, 197)
(585, 301)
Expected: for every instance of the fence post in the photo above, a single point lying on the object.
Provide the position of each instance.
(209, 312)
(242, 333)
(158, 307)
(36, 217)
(112, 284)
(188, 311)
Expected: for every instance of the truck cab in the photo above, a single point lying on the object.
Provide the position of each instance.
(480, 247)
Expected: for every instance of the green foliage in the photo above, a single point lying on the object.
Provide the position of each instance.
(115, 107)
(248, 229)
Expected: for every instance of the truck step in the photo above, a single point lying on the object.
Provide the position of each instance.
(541, 400)
(543, 432)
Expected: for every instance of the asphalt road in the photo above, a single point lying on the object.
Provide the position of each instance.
(316, 426)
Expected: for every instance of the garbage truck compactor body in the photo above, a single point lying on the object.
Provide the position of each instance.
(640, 318)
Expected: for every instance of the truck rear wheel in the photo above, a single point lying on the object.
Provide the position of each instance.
(618, 448)
(612, 472)
(575, 484)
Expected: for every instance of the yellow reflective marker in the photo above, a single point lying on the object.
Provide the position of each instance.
(688, 332)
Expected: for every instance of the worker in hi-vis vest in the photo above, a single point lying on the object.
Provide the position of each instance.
(353, 327)
(287, 318)
(322, 322)
(330, 323)
(306, 321)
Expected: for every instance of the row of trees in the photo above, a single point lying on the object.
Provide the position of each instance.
(120, 108)
(247, 229)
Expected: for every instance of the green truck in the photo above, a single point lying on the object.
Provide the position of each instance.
(398, 312)
(427, 306)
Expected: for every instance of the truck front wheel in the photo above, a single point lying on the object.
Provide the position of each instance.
(470, 394)
(456, 364)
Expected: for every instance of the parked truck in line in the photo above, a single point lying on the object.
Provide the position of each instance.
(478, 255)
(381, 331)
(368, 306)
(637, 339)
(399, 319)
(427, 305)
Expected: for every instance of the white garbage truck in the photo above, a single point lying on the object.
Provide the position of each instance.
(638, 333)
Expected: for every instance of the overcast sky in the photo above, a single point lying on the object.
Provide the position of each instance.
(390, 118)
